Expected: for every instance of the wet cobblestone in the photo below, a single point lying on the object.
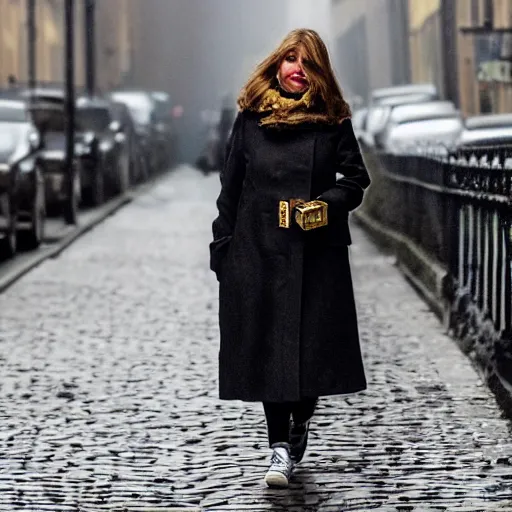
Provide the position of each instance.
(108, 389)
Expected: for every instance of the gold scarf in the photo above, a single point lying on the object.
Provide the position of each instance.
(288, 111)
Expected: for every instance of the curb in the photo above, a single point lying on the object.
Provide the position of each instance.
(11, 276)
(426, 276)
(61, 243)
(105, 210)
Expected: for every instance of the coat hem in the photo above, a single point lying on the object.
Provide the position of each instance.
(320, 394)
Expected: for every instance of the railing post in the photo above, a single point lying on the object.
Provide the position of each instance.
(452, 230)
(508, 270)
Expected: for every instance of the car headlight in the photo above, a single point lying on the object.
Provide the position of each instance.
(89, 138)
(26, 165)
(105, 147)
(82, 149)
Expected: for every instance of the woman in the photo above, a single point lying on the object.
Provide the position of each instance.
(286, 305)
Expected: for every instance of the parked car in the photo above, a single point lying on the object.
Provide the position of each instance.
(485, 134)
(485, 137)
(405, 114)
(22, 190)
(208, 159)
(379, 115)
(422, 92)
(218, 126)
(105, 168)
(493, 131)
(417, 134)
(62, 185)
(165, 129)
(142, 109)
(139, 171)
(489, 121)
(359, 121)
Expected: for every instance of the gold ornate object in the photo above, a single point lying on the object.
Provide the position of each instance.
(311, 215)
(284, 214)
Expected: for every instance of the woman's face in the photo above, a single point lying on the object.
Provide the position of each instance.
(292, 76)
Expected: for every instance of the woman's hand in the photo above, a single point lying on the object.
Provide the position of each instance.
(348, 192)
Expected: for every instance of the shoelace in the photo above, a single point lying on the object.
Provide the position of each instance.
(279, 462)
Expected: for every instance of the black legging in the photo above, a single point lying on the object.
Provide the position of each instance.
(278, 417)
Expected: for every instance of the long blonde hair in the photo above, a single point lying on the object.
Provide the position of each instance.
(324, 87)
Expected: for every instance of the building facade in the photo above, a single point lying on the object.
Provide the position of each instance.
(369, 45)
(485, 55)
(426, 50)
(114, 20)
(465, 48)
(114, 40)
(13, 39)
(462, 46)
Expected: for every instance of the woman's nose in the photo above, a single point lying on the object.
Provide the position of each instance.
(299, 68)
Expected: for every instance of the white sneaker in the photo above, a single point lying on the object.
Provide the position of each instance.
(281, 467)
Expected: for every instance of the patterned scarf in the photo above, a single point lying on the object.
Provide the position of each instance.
(281, 110)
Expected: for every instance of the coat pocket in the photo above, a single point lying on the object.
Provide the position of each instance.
(338, 232)
(218, 251)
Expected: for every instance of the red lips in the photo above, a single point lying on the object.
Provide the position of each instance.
(298, 78)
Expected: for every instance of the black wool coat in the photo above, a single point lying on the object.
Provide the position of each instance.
(287, 316)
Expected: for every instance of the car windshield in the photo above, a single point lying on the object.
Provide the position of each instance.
(49, 119)
(486, 137)
(425, 89)
(162, 106)
(489, 121)
(443, 131)
(405, 113)
(93, 119)
(12, 114)
(139, 104)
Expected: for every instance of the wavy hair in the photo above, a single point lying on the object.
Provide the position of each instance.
(324, 87)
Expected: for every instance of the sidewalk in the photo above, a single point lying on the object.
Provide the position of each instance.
(108, 395)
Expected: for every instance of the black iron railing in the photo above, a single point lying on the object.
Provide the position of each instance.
(457, 208)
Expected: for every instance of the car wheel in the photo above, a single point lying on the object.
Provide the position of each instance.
(33, 238)
(121, 178)
(124, 172)
(8, 244)
(98, 186)
(71, 203)
(144, 168)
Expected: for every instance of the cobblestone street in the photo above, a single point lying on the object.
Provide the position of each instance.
(108, 397)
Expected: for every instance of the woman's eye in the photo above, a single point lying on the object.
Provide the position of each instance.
(291, 58)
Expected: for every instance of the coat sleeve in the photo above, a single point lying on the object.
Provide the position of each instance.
(231, 178)
(348, 192)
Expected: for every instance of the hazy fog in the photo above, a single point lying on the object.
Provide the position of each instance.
(198, 50)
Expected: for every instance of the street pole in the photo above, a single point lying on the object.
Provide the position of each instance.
(69, 73)
(449, 38)
(31, 26)
(90, 46)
